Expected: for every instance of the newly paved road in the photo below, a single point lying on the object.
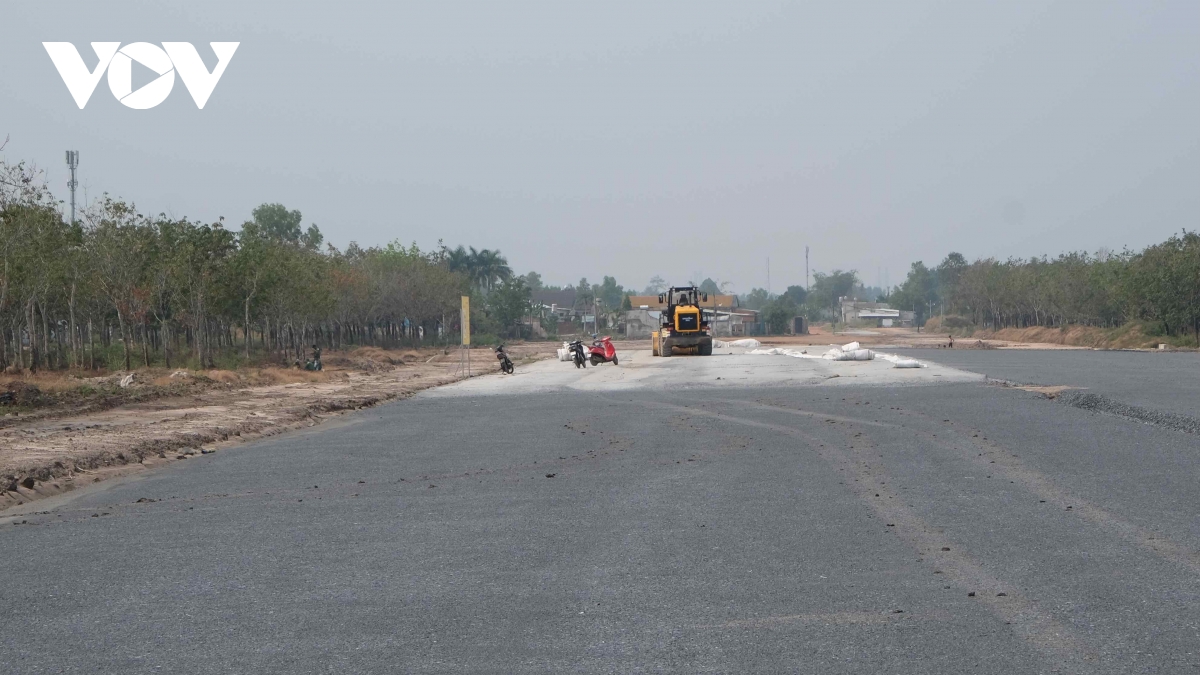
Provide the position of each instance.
(1162, 380)
(814, 529)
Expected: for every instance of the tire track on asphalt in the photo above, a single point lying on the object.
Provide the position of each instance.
(958, 567)
(999, 459)
(818, 618)
(811, 414)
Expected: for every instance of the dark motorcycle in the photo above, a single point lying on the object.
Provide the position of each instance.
(314, 364)
(578, 355)
(506, 364)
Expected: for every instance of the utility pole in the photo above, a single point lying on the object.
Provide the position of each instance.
(73, 163)
(806, 288)
(768, 276)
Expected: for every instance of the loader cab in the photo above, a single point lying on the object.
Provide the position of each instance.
(682, 313)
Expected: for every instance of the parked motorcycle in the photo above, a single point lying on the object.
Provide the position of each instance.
(506, 364)
(603, 351)
(314, 364)
(577, 354)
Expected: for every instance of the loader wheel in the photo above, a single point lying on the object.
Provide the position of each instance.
(706, 349)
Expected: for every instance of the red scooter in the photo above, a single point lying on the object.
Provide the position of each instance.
(603, 351)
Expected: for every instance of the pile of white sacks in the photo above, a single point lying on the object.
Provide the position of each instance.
(747, 343)
(848, 352)
(564, 352)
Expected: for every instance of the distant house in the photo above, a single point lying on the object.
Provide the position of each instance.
(737, 322)
(639, 323)
(878, 314)
(884, 317)
(560, 303)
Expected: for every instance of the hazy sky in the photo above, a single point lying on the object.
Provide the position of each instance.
(642, 138)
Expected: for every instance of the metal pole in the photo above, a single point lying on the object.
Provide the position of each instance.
(72, 162)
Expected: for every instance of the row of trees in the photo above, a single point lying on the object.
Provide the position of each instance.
(119, 285)
(1159, 285)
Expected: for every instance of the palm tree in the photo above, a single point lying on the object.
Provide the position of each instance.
(490, 268)
(458, 260)
(484, 269)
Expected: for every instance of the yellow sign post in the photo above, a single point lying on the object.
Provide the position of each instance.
(466, 320)
(464, 351)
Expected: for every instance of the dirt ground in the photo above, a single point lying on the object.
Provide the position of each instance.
(59, 448)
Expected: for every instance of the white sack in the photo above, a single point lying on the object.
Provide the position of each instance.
(783, 351)
(900, 361)
(853, 355)
(746, 343)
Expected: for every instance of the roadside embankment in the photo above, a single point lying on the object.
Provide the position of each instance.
(1132, 335)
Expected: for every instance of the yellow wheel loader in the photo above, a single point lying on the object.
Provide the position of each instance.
(684, 327)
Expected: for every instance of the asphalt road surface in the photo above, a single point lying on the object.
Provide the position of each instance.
(1161, 380)
(860, 524)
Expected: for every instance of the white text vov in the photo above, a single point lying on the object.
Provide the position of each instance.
(118, 60)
